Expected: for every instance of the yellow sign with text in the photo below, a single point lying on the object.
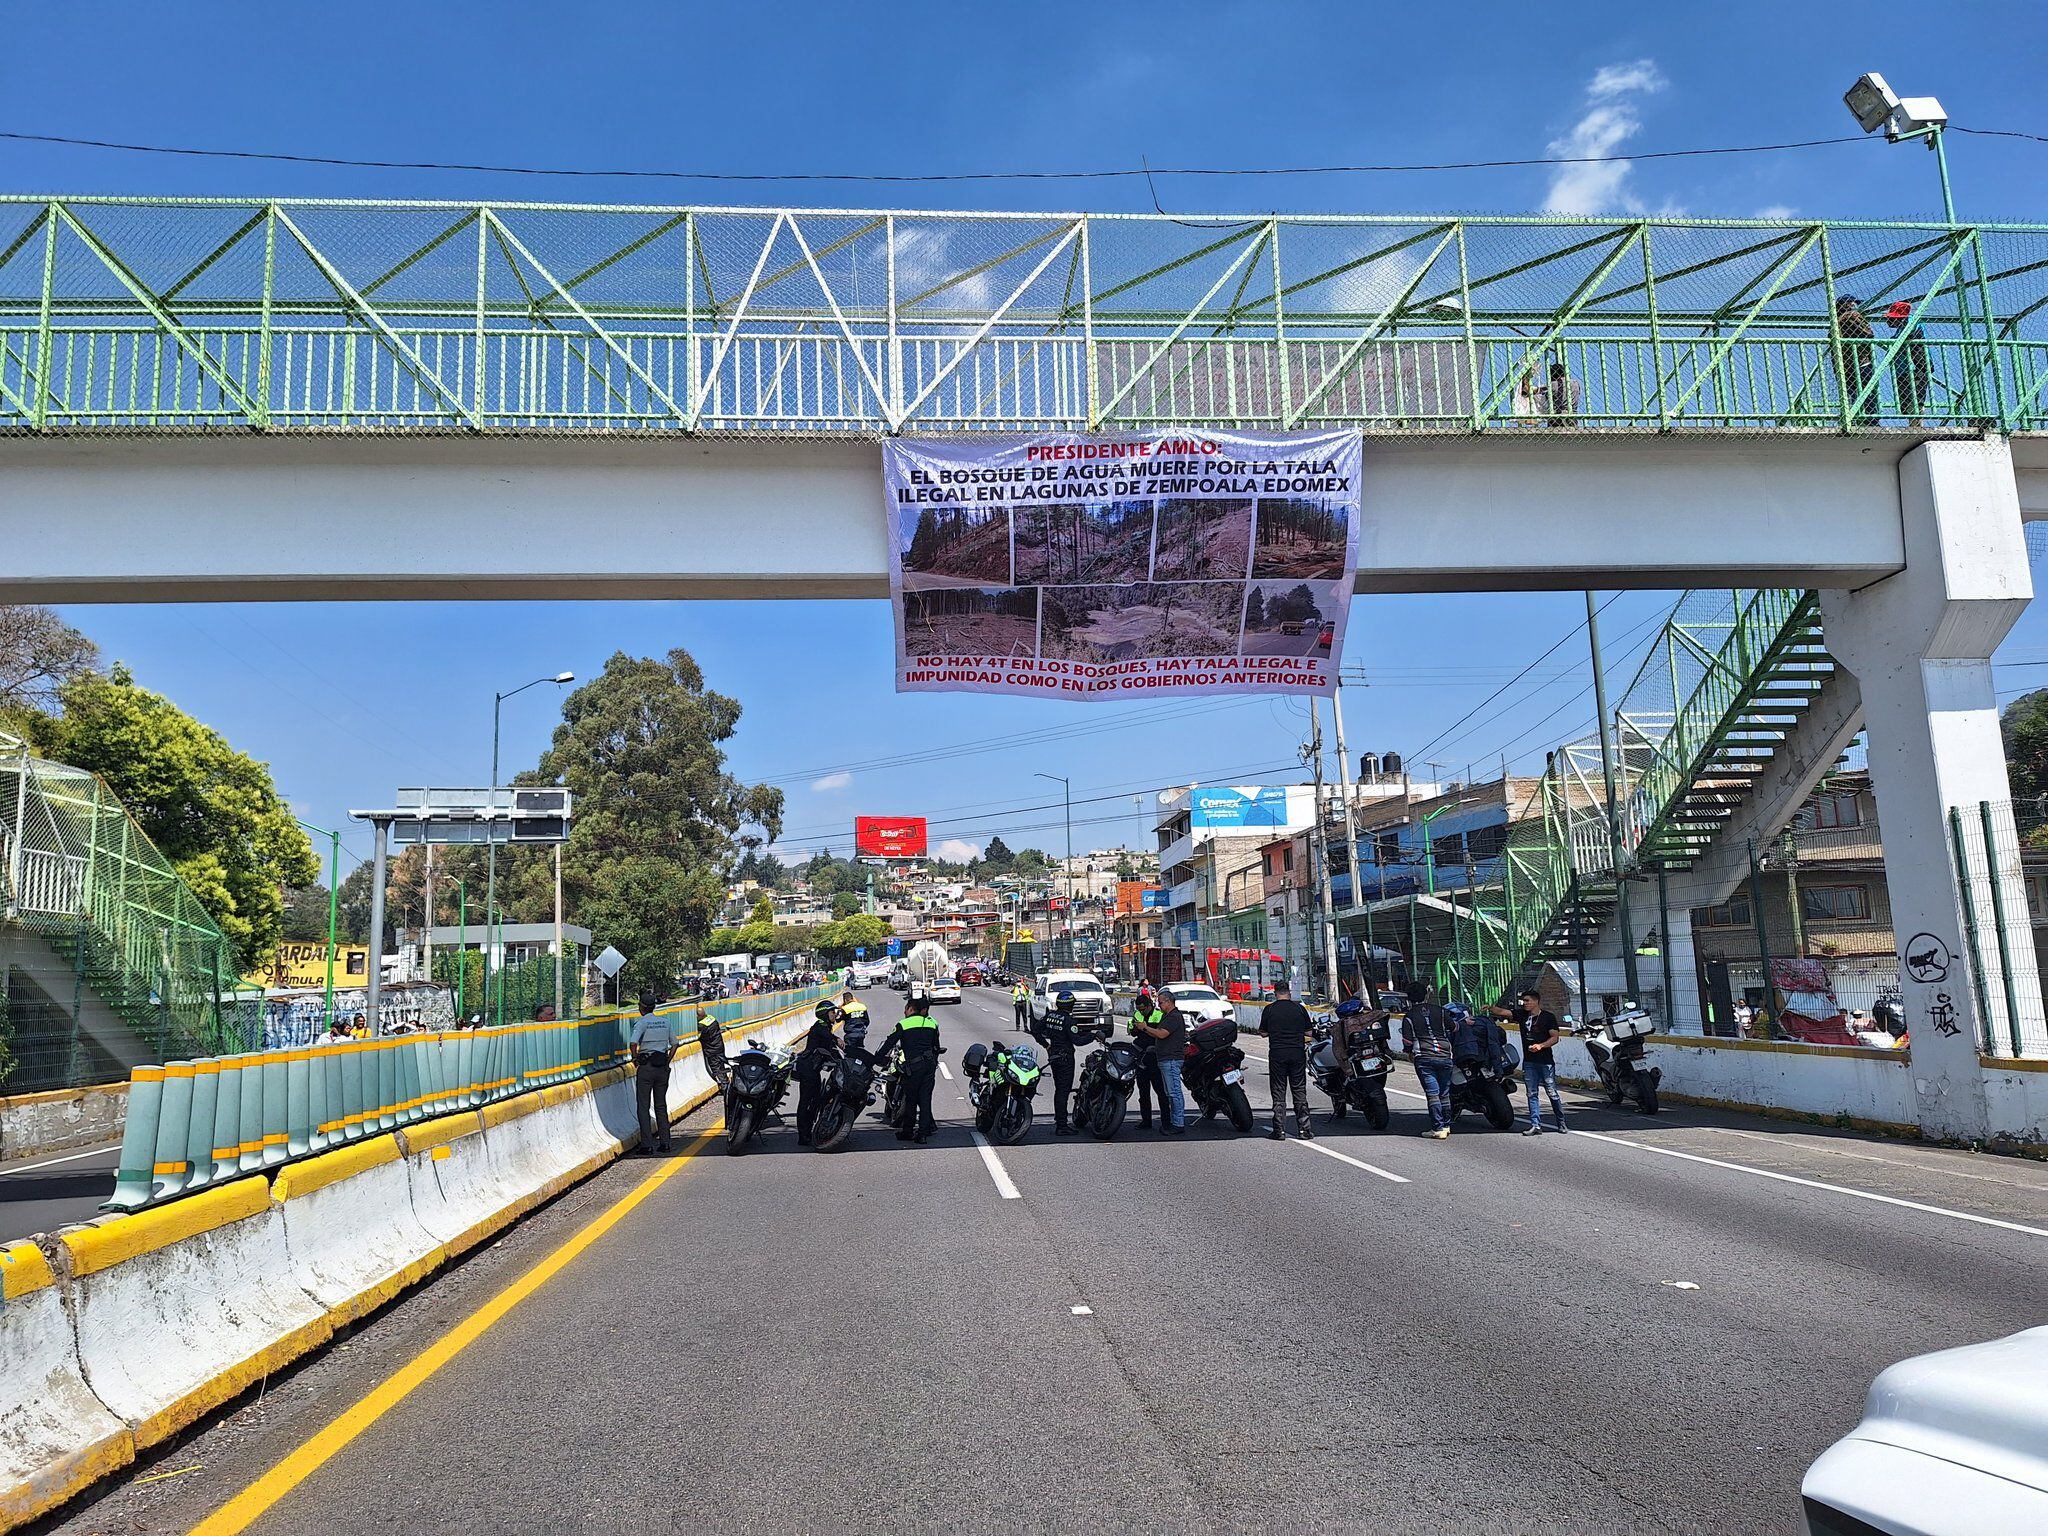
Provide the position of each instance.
(301, 963)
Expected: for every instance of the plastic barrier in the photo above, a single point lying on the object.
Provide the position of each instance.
(195, 1124)
(350, 1228)
(179, 1309)
(55, 1436)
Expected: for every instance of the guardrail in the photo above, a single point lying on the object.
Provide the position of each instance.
(192, 1124)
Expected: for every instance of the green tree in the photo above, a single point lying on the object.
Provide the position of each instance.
(845, 904)
(1255, 610)
(658, 818)
(1031, 861)
(305, 914)
(996, 858)
(212, 811)
(39, 653)
(763, 911)
(2024, 725)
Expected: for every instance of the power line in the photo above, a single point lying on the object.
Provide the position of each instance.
(288, 157)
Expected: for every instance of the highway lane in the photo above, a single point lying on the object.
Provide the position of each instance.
(41, 1194)
(1271, 1337)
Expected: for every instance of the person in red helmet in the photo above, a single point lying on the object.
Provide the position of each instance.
(1909, 363)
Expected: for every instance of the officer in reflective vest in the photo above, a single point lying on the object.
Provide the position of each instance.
(1145, 1011)
(1020, 1004)
(1059, 1034)
(853, 1021)
(917, 1037)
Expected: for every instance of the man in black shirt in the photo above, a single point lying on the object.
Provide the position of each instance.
(1286, 1024)
(1540, 1034)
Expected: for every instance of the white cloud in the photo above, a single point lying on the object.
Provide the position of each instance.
(1609, 121)
(832, 781)
(1778, 211)
(956, 850)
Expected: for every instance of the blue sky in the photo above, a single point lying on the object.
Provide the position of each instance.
(349, 701)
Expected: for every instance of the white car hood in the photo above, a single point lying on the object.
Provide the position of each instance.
(1983, 1406)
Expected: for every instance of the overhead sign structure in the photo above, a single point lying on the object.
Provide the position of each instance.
(889, 837)
(1168, 563)
(513, 814)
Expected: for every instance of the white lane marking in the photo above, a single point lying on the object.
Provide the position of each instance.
(1346, 1157)
(1838, 1189)
(996, 1170)
(946, 1072)
(53, 1162)
(1866, 1157)
(1082, 1311)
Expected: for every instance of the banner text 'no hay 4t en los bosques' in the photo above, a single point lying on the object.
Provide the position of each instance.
(1172, 562)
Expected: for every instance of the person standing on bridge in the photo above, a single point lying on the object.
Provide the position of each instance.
(1859, 354)
(917, 1037)
(1286, 1025)
(1909, 364)
(1427, 1031)
(654, 1047)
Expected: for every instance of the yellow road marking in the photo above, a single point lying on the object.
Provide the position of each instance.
(254, 1501)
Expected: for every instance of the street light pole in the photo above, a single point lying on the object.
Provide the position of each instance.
(333, 904)
(491, 853)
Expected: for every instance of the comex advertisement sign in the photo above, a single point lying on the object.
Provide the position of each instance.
(889, 837)
(1171, 562)
(1230, 806)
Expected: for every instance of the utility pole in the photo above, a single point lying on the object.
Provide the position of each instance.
(427, 939)
(1358, 962)
(381, 835)
(561, 953)
(1319, 840)
(1621, 913)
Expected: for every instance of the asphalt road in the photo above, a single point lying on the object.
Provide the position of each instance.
(1199, 1334)
(41, 1194)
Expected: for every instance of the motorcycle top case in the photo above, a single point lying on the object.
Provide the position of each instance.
(1214, 1035)
(975, 1059)
(1630, 1023)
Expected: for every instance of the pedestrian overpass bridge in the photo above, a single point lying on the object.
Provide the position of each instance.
(221, 399)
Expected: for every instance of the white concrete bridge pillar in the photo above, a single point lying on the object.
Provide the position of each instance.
(1920, 643)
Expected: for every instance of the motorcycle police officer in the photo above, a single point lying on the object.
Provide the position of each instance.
(1059, 1034)
(917, 1036)
(853, 1021)
(1146, 1013)
(820, 1046)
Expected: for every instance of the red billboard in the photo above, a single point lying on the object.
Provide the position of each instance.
(889, 837)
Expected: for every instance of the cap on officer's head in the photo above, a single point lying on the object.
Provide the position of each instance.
(648, 1001)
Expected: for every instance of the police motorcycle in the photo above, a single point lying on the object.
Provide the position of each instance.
(1485, 1087)
(1359, 1079)
(759, 1080)
(846, 1086)
(1102, 1095)
(1001, 1080)
(1619, 1046)
(1213, 1074)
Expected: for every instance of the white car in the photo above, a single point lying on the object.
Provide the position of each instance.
(944, 990)
(1200, 1001)
(1950, 1444)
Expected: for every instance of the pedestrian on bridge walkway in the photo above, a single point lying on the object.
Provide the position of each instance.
(654, 1047)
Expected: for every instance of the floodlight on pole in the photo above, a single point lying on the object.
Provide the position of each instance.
(1874, 105)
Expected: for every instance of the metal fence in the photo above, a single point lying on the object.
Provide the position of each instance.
(103, 937)
(136, 314)
(191, 1124)
(2001, 859)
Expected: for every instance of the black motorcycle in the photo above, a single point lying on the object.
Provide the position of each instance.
(1358, 1082)
(1001, 1082)
(1213, 1074)
(846, 1086)
(889, 1088)
(760, 1079)
(1103, 1094)
(1485, 1088)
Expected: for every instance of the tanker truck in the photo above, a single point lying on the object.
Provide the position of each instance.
(930, 970)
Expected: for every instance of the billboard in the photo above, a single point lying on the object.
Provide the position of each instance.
(1225, 807)
(1154, 564)
(303, 964)
(889, 837)
(1134, 896)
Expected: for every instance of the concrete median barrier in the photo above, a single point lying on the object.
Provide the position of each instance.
(350, 1228)
(55, 1436)
(458, 1191)
(178, 1309)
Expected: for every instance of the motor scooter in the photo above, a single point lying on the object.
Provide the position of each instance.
(1619, 1046)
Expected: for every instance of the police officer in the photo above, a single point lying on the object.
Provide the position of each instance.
(853, 1021)
(1020, 1003)
(917, 1037)
(819, 1048)
(1059, 1034)
(711, 1042)
(1146, 1013)
(654, 1047)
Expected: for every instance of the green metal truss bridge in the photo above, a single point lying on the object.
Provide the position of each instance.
(159, 315)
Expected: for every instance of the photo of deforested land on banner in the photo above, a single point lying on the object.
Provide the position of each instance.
(1181, 561)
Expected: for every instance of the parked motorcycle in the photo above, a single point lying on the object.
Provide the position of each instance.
(1213, 1074)
(760, 1078)
(1487, 1090)
(1619, 1046)
(1001, 1081)
(890, 1090)
(1359, 1081)
(1103, 1094)
(846, 1086)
